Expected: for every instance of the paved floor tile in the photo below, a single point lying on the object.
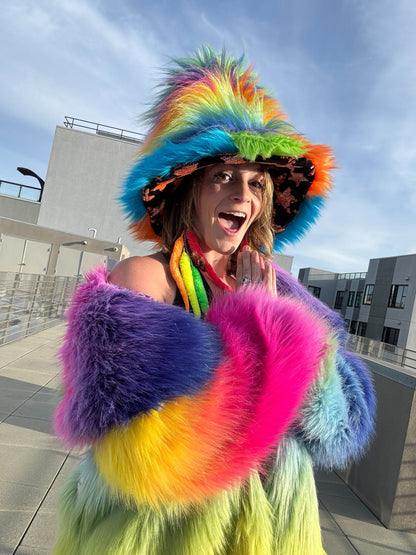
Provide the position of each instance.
(12, 525)
(34, 377)
(41, 405)
(373, 547)
(52, 499)
(333, 539)
(25, 550)
(20, 497)
(32, 363)
(42, 532)
(28, 432)
(30, 466)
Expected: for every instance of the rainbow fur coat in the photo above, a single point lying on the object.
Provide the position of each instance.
(202, 435)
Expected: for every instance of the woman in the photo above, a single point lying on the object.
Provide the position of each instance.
(224, 201)
(203, 425)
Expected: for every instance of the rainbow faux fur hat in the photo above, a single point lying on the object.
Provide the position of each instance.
(211, 109)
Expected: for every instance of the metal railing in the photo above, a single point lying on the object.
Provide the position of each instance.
(333, 276)
(353, 275)
(406, 358)
(17, 190)
(106, 130)
(30, 303)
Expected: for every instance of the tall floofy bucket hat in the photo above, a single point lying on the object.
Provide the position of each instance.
(211, 109)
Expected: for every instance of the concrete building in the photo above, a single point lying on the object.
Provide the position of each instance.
(378, 304)
(87, 165)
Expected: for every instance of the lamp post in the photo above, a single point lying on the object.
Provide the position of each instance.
(26, 171)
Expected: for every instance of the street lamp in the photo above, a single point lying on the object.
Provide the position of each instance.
(26, 171)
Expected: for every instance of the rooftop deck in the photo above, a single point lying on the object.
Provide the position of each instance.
(35, 465)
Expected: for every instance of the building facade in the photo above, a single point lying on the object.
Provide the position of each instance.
(378, 304)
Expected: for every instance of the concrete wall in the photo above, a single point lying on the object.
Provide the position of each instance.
(404, 318)
(327, 281)
(19, 209)
(32, 249)
(378, 308)
(385, 479)
(82, 185)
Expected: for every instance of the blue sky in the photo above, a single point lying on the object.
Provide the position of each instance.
(344, 71)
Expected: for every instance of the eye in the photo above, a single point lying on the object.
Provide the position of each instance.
(257, 184)
(223, 177)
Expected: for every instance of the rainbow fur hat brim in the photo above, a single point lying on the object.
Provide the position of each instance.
(211, 106)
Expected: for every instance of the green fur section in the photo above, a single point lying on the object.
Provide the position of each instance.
(252, 533)
(291, 492)
(277, 517)
(250, 145)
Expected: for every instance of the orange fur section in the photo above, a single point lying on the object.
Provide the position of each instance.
(142, 230)
(174, 270)
(323, 160)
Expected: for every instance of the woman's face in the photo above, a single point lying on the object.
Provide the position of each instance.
(230, 199)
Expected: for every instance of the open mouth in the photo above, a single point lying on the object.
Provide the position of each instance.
(232, 221)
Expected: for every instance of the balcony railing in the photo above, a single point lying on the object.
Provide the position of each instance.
(405, 358)
(30, 303)
(105, 130)
(17, 190)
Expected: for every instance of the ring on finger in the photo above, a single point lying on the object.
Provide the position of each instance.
(245, 279)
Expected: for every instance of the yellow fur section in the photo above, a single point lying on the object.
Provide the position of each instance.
(164, 458)
(186, 271)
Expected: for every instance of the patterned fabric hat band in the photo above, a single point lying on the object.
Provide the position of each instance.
(292, 178)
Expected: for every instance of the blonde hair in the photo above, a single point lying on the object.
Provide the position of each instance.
(179, 215)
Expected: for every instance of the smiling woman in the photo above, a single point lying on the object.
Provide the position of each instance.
(204, 381)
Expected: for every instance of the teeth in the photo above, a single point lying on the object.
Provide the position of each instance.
(237, 214)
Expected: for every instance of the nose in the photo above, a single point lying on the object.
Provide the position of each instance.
(241, 190)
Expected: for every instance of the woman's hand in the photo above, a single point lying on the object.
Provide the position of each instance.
(253, 269)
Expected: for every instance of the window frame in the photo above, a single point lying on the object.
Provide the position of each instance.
(358, 299)
(386, 334)
(353, 327)
(339, 299)
(368, 295)
(360, 331)
(313, 289)
(394, 294)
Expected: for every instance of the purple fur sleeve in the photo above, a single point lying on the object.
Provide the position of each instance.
(124, 355)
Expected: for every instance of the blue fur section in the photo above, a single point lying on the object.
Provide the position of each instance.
(337, 423)
(209, 143)
(128, 355)
(309, 212)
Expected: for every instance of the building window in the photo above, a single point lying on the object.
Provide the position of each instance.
(397, 296)
(358, 298)
(353, 327)
(362, 329)
(368, 294)
(351, 296)
(390, 335)
(316, 291)
(339, 299)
